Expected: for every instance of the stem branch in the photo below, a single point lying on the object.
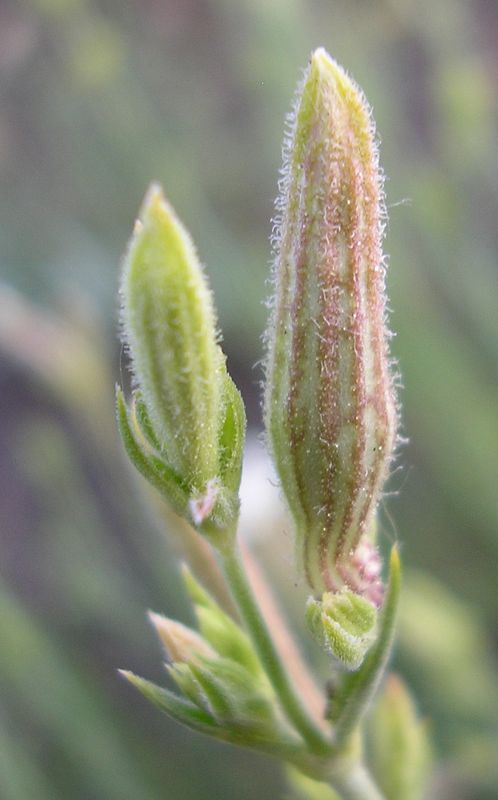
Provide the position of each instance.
(263, 643)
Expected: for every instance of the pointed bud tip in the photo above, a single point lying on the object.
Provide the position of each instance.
(154, 618)
(181, 643)
(156, 211)
(157, 214)
(395, 560)
(153, 201)
(321, 60)
(324, 67)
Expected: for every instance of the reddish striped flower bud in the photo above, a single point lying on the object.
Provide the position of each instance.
(330, 403)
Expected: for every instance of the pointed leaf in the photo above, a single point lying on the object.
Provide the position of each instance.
(188, 684)
(354, 695)
(217, 693)
(234, 696)
(232, 436)
(220, 630)
(178, 708)
(141, 415)
(152, 468)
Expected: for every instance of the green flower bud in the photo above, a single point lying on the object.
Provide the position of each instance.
(344, 624)
(216, 670)
(330, 404)
(184, 428)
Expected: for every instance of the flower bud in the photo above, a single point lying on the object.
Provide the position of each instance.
(182, 644)
(330, 405)
(184, 429)
(224, 689)
(170, 327)
(344, 624)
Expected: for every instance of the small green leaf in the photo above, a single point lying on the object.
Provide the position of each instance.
(182, 675)
(198, 595)
(178, 708)
(151, 467)
(276, 741)
(234, 695)
(228, 639)
(219, 696)
(144, 423)
(232, 436)
(220, 630)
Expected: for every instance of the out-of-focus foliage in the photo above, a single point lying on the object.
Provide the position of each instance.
(98, 98)
(398, 743)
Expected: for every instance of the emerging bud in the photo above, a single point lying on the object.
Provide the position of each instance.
(181, 643)
(222, 683)
(344, 624)
(330, 404)
(184, 429)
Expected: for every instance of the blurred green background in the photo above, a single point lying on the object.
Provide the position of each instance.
(97, 99)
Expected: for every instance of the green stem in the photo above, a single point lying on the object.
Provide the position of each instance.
(356, 784)
(347, 780)
(270, 659)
